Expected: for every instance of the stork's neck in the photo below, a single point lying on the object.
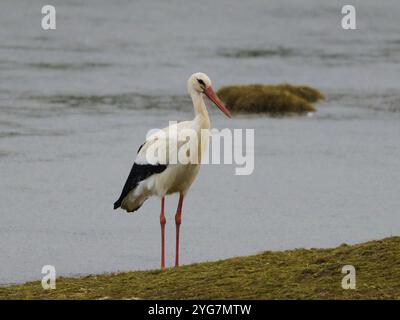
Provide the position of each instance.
(200, 110)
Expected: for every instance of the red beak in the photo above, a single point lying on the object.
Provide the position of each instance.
(209, 92)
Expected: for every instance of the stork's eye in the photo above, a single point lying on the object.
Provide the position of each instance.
(201, 82)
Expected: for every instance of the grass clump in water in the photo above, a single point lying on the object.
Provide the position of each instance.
(273, 99)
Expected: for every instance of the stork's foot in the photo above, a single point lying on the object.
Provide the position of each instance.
(178, 222)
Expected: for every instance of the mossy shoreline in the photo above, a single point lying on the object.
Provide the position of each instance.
(291, 274)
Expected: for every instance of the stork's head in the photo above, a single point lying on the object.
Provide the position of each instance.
(200, 83)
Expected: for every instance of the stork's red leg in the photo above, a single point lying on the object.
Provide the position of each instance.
(163, 221)
(178, 221)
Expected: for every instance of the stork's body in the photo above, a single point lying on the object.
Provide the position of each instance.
(157, 170)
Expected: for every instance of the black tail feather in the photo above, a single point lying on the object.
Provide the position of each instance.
(117, 204)
(138, 173)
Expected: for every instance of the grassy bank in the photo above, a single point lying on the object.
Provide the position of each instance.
(294, 274)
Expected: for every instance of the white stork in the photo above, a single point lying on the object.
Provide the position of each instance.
(153, 174)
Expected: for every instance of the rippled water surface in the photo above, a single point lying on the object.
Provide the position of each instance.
(75, 104)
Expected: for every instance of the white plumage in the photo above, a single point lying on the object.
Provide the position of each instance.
(176, 177)
(158, 171)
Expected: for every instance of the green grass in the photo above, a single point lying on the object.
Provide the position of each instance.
(273, 99)
(293, 274)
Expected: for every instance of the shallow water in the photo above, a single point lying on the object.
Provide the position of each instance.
(76, 103)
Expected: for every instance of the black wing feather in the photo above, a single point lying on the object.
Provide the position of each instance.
(138, 173)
